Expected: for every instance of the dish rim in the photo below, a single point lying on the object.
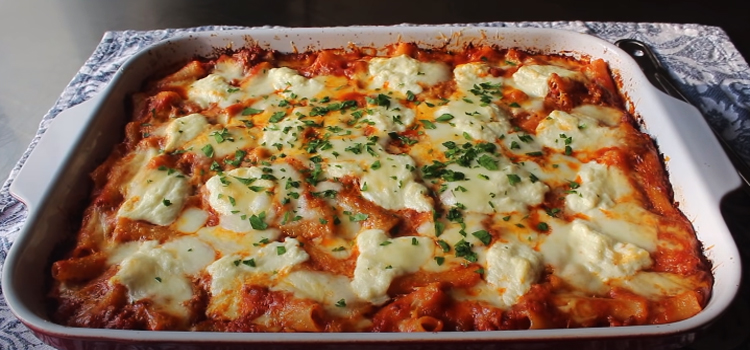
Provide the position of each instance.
(94, 106)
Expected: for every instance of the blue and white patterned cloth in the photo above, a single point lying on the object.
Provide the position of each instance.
(707, 67)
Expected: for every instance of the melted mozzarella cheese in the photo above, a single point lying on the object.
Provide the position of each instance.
(533, 80)
(228, 242)
(404, 74)
(606, 115)
(229, 195)
(155, 196)
(395, 118)
(284, 134)
(181, 130)
(498, 194)
(223, 141)
(212, 89)
(332, 291)
(349, 156)
(230, 272)
(191, 220)
(393, 186)
(486, 123)
(229, 69)
(655, 285)
(604, 256)
(162, 274)
(470, 75)
(584, 132)
(381, 259)
(512, 268)
(243, 192)
(290, 82)
(593, 190)
(587, 258)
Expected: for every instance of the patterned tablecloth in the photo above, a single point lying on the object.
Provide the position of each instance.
(707, 67)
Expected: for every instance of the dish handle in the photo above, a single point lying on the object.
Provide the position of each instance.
(44, 163)
(719, 175)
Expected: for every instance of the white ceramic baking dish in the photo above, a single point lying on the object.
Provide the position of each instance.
(54, 184)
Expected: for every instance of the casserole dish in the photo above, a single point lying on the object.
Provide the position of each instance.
(83, 138)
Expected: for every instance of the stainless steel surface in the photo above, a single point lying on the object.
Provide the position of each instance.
(44, 42)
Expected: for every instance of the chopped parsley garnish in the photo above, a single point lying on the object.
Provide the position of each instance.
(258, 221)
(215, 166)
(525, 138)
(277, 117)
(483, 236)
(513, 179)
(166, 202)
(318, 111)
(515, 105)
(445, 117)
(208, 150)
(439, 260)
(454, 214)
(358, 217)
(380, 100)
(221, 136)
(414, 241)
(243, 180)
(444, 245)
(316, 175)
(574, 185)
(404, 139)
(280, 250)
(341, 303)
(376, 165)
(488, 162)
(224, 181)
(552, 212)
(463, 250)
(542, 226)
(251, 111)
(450, 175)
(385, 243)
(533, 178)
(428, 124)
(568, 150)
(356, 148)
(158, 279)
(239, 155)
(268, 177)
(410, 96)
(326, 194)
(439, 228)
